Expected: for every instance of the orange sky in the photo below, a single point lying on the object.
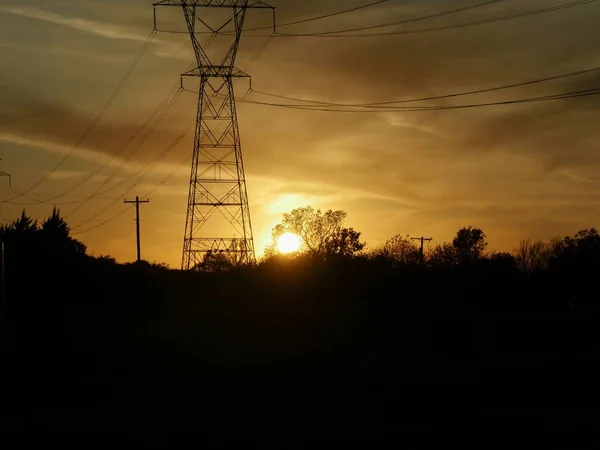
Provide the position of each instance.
(517, 171)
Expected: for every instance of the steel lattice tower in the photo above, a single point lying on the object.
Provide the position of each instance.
(218, 215)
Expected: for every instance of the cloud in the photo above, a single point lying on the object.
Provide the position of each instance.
(66, 174)
(88, 26)
(165, 48)
(26, 119)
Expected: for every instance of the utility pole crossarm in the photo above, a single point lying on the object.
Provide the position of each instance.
(259, 4)
(136, 201)
(215, 4)
(422, 249)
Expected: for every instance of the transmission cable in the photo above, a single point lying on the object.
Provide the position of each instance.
(312, 19)
(405, 21)
(437, 97)
(161, 110)
(147, 195)
(141, 174)
(131, 154)
(168, 100)
(34, 201)
(97, 119)
(567, 95)
(106, 222)
(149, 167)
(340, 34)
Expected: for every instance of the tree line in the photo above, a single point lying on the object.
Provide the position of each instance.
(324, 236)
(28, 241)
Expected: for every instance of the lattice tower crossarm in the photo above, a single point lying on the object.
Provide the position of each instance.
(218, 214)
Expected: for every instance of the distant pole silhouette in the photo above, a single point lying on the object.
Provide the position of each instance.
(421, 251)
(137, 202)
(4, 174)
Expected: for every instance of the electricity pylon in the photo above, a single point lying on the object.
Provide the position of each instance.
(218, 214)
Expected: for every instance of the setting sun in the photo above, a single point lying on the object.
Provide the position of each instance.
(288, 243)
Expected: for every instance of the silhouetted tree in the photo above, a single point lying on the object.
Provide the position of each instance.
(399, 251)
(55, 225)
(442, 256)
(55, 238)
(581, 251)
(344, 242)
(20, 239)
(224, 260)
(23, 225)
(532, 256)
(48, 244)
(500, 260)
(215, 262)
(469, 244)
(321, 233)
(105, 259)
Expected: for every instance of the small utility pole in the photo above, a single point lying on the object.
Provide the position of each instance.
(421, 251)
(137, 202)
(4, 174)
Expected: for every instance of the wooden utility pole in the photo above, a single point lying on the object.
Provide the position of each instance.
(421, 251)
(137, 202)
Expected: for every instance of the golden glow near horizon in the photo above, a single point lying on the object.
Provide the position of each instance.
(288, 243)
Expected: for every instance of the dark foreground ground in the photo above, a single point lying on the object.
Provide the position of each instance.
(342, 351)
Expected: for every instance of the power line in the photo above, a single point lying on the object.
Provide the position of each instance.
(414, 19)
(568, 95)
(141, 174)
(312, 19)
(149, 167)
(437, 97)
(35, 202)
(146, 170)
(148, 194)
(162, 108)
(167, 100)
(114, 155)
(341, 34)
(98, 117)
(337, 13)
(258, 53)
(562, 96)
(167, 107)
(106, 222)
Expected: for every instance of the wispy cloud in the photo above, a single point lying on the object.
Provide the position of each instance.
(88, 26)
(86, 154)
(66, 174)
(399, 120)
(110, 31)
